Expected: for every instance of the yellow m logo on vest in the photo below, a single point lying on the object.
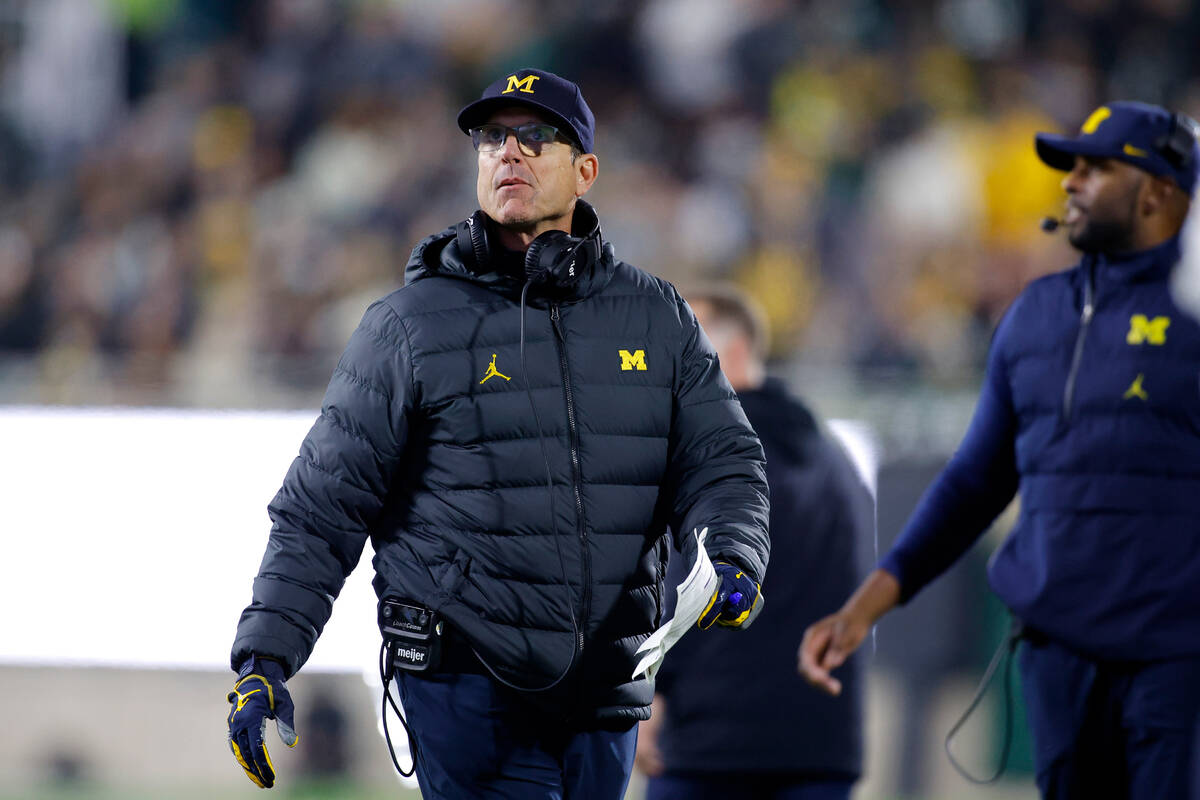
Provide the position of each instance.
(1147, 331)
(525, 84)
(635, 360)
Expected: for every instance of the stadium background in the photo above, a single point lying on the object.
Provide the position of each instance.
(198, 198)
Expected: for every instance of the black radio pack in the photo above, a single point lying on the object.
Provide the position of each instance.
(412, 635)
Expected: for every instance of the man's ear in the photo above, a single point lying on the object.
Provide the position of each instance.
(587, 166)
(1156, 194)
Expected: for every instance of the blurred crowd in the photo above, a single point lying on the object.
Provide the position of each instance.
(205, 194)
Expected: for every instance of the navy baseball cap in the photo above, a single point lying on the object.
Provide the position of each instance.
(1149, 137)
(557, 98)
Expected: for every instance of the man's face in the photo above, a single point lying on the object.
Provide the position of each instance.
(732, 346)
(1103, 195)
(531, 193)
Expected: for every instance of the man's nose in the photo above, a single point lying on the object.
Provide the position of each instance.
(512, 148)
(1070, 182)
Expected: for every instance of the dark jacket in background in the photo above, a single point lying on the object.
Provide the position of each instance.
(440, 466)
(735, 702)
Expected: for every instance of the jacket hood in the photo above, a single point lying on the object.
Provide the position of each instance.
(772, 408)
(439, 255)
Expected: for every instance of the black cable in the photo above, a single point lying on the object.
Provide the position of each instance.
(1006, 649)
(386, 676)
(554, 521)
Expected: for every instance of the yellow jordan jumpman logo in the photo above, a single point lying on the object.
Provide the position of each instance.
(1135, 389)
(242, 698)
(492, 372)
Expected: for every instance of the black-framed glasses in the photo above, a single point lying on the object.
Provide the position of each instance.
(531, 137)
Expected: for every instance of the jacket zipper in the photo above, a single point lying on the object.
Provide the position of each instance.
(576, 473)
(1085, 320)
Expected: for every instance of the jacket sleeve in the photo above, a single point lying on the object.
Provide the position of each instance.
(716, 470)
(332, 494)
(979, 481)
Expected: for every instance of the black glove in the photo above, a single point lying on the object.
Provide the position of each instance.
(735, 603)
(260, 694)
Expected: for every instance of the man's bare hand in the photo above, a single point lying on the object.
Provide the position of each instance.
(826, 645)
(830, 641)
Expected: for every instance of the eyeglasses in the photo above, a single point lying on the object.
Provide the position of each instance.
(531, 137)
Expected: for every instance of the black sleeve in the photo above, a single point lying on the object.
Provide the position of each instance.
(332, 494)
(716, 469)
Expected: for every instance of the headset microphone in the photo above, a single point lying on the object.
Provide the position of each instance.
(1050, 224)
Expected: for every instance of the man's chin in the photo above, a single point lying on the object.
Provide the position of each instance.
(1099, 238)
(515, 216)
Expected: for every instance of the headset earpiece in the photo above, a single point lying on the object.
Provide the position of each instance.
(542, 256)
(471, 235)
(560, 259)
(555, 257)
(1178, 144)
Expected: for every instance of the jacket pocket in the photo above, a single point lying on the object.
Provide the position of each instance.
(452, 579)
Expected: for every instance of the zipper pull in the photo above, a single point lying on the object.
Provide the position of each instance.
(554, 322)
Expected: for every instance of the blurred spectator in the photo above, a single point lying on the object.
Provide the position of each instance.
(65, 85)
(779, 739)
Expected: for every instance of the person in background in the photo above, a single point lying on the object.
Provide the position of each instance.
(779, 739)
(1090, 408)
(513, 430)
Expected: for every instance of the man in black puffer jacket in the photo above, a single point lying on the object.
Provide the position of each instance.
(514, 431)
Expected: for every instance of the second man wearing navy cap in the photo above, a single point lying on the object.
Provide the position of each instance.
(1090, 409)
(514, 431)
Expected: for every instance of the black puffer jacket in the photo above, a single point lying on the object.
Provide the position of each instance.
(442, 468)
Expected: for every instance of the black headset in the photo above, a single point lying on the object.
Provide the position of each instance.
(1178, 144)
(554, 258)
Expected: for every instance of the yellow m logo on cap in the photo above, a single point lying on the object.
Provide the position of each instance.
(1091, 123)
(635, 360)
(525, 84)
(1147, 331)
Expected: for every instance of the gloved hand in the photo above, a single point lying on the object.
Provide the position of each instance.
(737, 601)
(260, 694)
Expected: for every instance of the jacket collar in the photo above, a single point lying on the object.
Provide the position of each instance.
(438, 255)
(1153, 263)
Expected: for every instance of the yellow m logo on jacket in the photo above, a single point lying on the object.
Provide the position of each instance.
(635, 360)
(525, 84)
(1147, 331)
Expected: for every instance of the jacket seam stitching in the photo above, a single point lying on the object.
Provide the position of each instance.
(335, 477)
(407, 342)
(335, 422)
(359, 380)
(705, 402)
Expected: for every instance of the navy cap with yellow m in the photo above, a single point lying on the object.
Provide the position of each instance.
(1149, 137)
(556, 98)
